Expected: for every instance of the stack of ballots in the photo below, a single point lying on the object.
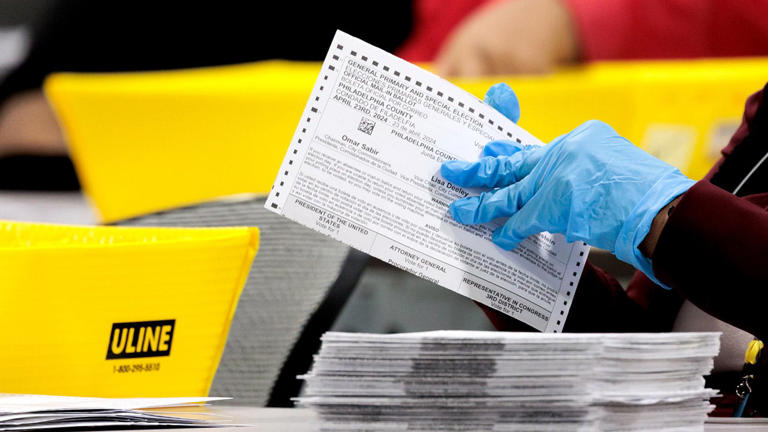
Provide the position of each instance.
(462, 381)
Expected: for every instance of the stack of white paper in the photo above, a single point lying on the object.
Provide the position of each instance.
(654, 381)
(454, 380)
(38, 412)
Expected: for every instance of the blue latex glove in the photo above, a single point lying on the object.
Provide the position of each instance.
(591, 185)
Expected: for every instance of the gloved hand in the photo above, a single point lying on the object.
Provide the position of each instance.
(591, 185)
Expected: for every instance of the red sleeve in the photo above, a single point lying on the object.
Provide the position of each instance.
(657, 300)
(433, 22)
(718, 259)
(645, 29)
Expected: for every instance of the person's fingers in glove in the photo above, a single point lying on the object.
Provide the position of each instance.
(491, 205)
(527, 221)
(590, 185)
(502, 148)
(504, 100)
(492, 172)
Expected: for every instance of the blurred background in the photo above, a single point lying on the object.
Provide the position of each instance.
(157, 113)
(42, 37)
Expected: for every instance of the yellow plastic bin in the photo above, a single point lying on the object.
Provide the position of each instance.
(190, 136)
(185, 137)
(683, 112)
(117, 312)
(202, 148)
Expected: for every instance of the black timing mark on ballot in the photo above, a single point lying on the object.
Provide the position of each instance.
(418, 83)
(367, 128)
(140, 339)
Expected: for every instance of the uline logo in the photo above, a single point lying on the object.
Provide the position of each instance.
(140, 339)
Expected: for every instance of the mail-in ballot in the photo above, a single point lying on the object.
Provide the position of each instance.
(117, 312)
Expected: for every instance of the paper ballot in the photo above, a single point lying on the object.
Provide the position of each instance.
(43, 412)
(496, 381)
(364, 168)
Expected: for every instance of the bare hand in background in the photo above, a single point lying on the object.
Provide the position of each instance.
(29, 126)
(507, 37)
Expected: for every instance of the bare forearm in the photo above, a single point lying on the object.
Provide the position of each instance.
(648, 246)
(28, 125)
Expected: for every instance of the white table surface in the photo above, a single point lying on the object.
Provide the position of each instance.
(259, 419)
(48, 207)
(303, 420)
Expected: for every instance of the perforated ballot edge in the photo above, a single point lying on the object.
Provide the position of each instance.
(344, 46)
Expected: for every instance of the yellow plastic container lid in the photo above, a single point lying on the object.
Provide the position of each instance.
(145, 142)
(683, 112)
(117, 312)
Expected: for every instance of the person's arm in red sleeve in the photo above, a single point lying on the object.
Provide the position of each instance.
(528, 36)
(713, 249)
(743, 153)
(645, 29)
